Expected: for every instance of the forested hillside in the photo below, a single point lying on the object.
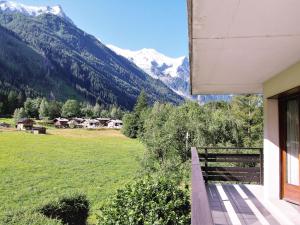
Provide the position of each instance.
(49, 56)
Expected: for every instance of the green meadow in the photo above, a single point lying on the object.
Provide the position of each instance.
(38, 168)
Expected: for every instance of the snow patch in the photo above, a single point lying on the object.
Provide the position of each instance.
(13, 7)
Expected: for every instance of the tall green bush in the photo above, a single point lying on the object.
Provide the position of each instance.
(151, 200)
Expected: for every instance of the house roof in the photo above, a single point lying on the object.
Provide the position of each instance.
(61, 120)
(24, 120)
(100, 119)
(116, 121)
(237, 45)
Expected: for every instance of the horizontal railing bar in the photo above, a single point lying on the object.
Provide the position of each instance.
(234, 174)
(230, 148)
(230, 155)
(231, 169)
(232, 160)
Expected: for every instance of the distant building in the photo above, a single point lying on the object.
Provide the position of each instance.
(4, 125)
(61, 123)
(39, 130)
(115, 124)
(91, 124)
(24, 124)
(103, 121)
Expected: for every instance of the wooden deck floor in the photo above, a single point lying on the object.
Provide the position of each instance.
(237, 205)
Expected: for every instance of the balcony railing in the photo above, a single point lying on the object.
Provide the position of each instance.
(239, 165)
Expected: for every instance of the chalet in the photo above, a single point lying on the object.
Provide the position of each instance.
(79, 120)
(250, 47)
(74, 124)
(61, 123)
(4, 125)
(103, 121)
(118, 124)
(91, 124)
(39, 130)
(24, 124)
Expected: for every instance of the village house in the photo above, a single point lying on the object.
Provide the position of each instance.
(103, 121)
(118, 124)
(4, 125)
(38, 130)
(91, 124)
(61, 123)
(24, 124)
(74, 123)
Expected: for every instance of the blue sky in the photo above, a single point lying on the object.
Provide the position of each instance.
(130, 24)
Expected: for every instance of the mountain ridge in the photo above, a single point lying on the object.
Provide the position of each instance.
(174, 72)
(79, 60)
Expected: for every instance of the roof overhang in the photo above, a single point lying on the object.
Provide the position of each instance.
(236, 45)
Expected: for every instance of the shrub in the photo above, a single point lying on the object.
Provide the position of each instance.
(28, 218)
(72, 210)
(151, 200)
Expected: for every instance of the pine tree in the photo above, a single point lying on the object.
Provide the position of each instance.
(141, 103)
(44, 109)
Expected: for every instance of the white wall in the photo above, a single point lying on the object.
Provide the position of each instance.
(284, 81)
(271, 150)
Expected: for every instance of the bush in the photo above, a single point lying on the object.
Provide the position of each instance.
(152, 200)
(73, 210)
(28, 218)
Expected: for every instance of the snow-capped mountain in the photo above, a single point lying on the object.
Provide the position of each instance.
(13, 7)
(174, 72)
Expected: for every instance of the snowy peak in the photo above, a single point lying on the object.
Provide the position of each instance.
(13, 7)
(151, 61)
(174, 72)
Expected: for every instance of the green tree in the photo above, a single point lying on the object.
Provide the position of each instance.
(12, 100)
(32, 106)
(135, 121)
(87, 110)
(247, 111)
(97, 111)
(129, 125)
(155, 135)
(141, 103)
(54, 109)
(19, 113)
(44, 109)
(71, 108)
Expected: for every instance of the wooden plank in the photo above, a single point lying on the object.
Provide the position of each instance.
(230, 173)
(245, 214)
(228, 148)
(249, 179)
(232, 169)
(201, 214)
(219, 213)
(233, 160)
(236, 155)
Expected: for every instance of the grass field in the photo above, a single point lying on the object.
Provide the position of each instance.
(38, 168)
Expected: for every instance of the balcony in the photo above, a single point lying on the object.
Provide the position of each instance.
(227, 188)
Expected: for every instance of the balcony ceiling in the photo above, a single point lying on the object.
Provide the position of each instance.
(236, 45)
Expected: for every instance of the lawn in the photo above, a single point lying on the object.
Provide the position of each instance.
(38, 168)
